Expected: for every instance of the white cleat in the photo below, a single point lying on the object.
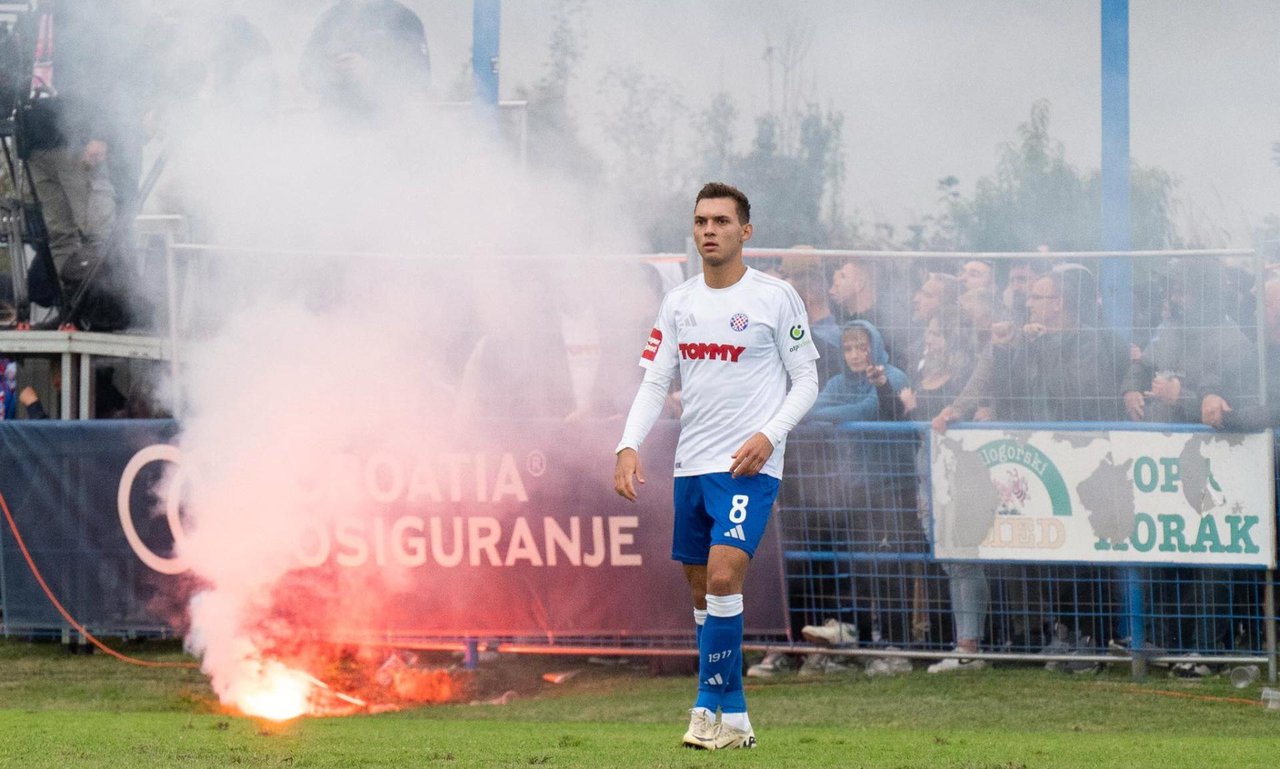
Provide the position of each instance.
(728, 737)
(773, 664)
(953, 664)
(833, 632)
(701, 734)
(818, 664)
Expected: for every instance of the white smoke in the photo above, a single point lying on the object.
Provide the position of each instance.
(361, 265)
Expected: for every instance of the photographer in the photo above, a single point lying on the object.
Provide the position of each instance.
(81, 132)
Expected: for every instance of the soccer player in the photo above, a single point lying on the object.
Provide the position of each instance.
(735, 335)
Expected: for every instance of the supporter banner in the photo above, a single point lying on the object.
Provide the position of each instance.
(1105, 496)
(519, 535)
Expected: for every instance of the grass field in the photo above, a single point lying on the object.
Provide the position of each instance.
(63, 710)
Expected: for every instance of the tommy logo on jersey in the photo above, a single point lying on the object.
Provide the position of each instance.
(651, 347)
(738, 322)
(709, 351)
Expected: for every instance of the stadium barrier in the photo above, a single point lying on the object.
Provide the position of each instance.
(878, 572)
(491, 535)
(856, 526)
(853, 531)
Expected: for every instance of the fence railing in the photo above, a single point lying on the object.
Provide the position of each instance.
(852, 523)
(855, 525)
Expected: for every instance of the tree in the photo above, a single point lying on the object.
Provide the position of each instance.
(795, 188)
(647, 162)
(794, 169)
(717, 127)
(554, 142)
(938, 232)
(1035, 198)
(1151, 208)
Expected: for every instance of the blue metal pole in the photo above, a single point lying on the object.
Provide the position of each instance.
(471, 654)
(1117, 272)
(486, 25)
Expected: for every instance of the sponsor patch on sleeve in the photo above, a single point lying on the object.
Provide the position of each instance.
(651, 347)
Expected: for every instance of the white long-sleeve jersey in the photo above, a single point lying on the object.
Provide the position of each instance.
(734, 349)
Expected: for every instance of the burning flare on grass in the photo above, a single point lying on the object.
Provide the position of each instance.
(273, 691)
(243, 678)
(276, 692)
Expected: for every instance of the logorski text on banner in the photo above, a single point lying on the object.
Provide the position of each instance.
(1104, 496)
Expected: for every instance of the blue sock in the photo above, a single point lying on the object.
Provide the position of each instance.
(699, 619)
(720, 656)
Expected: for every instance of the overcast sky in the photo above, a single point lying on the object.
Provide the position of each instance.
(932, 87)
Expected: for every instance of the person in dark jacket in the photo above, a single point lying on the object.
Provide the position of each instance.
(1064, 368)
(81, 133)
(806, 274)
(1199, 366)
(1061, 367)
(367, 59)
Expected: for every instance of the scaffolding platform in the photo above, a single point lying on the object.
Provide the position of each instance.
(76, 351)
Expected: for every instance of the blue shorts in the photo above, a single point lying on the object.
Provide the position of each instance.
(718, 509)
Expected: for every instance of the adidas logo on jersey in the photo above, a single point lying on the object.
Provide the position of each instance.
(715, 680)
(687, 321)
(736, 533)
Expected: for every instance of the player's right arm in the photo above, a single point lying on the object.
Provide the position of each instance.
(645, 410)
(660, 362)
(627, 471)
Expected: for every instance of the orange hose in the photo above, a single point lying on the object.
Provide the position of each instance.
(31, 564)
(1190, 696)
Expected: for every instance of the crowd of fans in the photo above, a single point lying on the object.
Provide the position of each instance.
(943, 340)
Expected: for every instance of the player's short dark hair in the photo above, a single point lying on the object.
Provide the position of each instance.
(722, 190)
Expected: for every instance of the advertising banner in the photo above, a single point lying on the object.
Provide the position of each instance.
(518, 535)
(1104, 497)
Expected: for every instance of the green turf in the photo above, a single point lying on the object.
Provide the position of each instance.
(59, 710)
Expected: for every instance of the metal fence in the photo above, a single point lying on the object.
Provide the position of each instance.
(854, 529)
(1023, 337)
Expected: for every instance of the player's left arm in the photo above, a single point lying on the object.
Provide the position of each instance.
(752, 455)
(798, 354)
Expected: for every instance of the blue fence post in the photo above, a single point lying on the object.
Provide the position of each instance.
(471, 654)
(1116, 280)
(1269, 618)
(486, 24)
